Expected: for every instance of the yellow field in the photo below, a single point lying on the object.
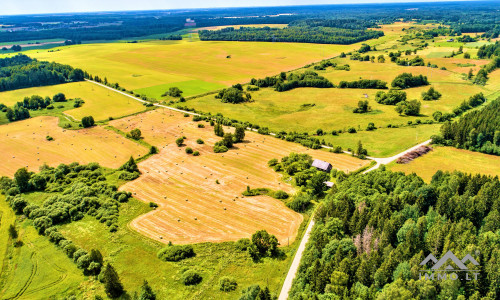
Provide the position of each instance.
(451, 159)
(193, 207)
(101, 103)
(153, 63)
(24, 145)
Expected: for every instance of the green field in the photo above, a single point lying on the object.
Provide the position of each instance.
(100, 102)
(189, 88)
(37, 269)
(450, 159)
(153, 63)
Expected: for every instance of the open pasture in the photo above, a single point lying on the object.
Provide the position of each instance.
(24, 144)
(100, 102)
(200, 197)
(450, 159)
(155, 63)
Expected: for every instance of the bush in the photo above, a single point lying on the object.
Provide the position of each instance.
(431, 94)
(220, 149)
(201, 125)
(351, 130)
(176, 253)
(49, 138)
(227, 284)
(153, 150)
(200, 141)
(179, 141)
(280, 195)
(189, 150)
(191, 277)
(135, 134)
(242, 244)
(196, 153)
(153, 205)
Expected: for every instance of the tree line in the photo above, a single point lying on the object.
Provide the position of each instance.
(22, 71)
(478, 130)
(297, 34)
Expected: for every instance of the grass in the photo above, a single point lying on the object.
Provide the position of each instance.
(24, 144)
(153, 63)
(100, 102)
(189, 88)
(450, 159)
(37, 268)
(213, 261)
(385, 142)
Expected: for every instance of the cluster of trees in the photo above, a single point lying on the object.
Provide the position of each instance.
(86, 192)
(487, 51)
(414, 62)
(477, 131)
(407, 80)
(129, 170)
(17, 113)
(431, 94)
(363, 107)
(284, 82)
(173, 92)
(172, 37)
(20, 110)
(234, 94)
(392, 97)
(373, 231)
(176, 252)
(263, 245)
(296, 34)
(21, 71)
(363, 84)
(228, 139)
(299, 167)
(409, 108)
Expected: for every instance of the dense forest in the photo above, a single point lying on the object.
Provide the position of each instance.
(373, 230)
(297, 34)
(478, 130)
(22, 71)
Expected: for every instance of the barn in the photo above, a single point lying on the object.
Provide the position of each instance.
(322, 165)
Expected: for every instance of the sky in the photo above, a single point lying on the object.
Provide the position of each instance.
(15, 7)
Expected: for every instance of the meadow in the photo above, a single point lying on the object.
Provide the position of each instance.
(24, 144)
(450, 159)
(155, 63)
(100, 102)
(200, 197)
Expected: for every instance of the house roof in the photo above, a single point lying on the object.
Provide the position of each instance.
(323, 165)
(328, 183)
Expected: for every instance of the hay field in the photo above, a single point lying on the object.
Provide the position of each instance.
(185, 186)
(149, 64)
(24, 145)
(100, 102)
(450, 159)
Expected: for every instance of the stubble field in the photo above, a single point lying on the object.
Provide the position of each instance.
(193, 206)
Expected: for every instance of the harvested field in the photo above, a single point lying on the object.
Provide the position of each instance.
(193, 206)
(24, 144)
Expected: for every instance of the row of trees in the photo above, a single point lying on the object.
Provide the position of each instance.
(408, 80)
(373, 231)
(363, 84)
(21, 71)
(285, 82)
(298, 34)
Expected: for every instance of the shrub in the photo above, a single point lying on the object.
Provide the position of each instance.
(431, 94)
(196, 153)
(280, 195)
(191, 277)
(227, 284)
(242, 244)
(153, 150)
(176, 253)
(88, 121)
(220, 149)
(186, 115)
(200, 141)
(135, 134)
(351, 130)
(201, 125)
(49, 138)
(179, 141)
(153, 205)
(189, 150)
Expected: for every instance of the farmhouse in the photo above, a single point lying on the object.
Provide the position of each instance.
(322, 165)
